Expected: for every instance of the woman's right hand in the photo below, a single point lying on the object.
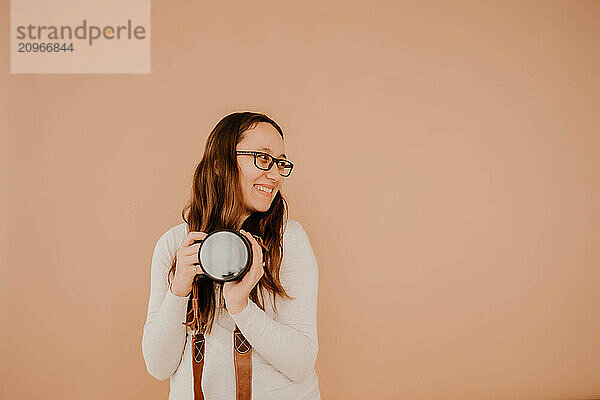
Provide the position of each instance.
(187, 264)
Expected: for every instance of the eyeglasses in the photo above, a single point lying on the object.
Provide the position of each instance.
(265, 161)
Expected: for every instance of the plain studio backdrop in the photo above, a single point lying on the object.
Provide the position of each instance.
(447, 174)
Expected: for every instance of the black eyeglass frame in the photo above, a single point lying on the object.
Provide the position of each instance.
(273, 160)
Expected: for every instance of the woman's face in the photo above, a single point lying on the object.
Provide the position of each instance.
(264, 138)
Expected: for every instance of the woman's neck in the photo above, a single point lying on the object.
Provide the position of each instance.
(242, 220)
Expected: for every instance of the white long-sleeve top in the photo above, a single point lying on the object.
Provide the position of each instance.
(284, 344)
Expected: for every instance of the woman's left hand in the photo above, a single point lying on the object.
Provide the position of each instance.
(236, 293)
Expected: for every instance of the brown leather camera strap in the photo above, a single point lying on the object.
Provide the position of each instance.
(198, 364)
(242, 359)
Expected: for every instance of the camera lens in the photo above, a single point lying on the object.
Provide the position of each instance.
(225, 255)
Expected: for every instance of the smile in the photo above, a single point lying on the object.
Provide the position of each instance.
(263, 189)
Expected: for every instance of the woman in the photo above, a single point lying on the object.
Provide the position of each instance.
(237, 185)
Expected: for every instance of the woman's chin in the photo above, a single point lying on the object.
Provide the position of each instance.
(262, 207)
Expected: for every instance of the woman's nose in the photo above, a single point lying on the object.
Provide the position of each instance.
(273, 174)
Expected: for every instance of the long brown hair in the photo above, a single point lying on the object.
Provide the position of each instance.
(216, 202)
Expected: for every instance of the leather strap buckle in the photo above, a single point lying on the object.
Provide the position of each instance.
(241, 344)
(198, 343)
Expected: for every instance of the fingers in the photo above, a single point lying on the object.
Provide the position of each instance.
(187, 242)
(257, 268)
(190, 250)
(191, 236)
(248, 282)
(256, 249)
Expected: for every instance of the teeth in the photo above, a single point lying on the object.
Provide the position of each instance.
(264, 189)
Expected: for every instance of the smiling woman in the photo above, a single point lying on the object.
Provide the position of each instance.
(259, 181)
(256, 337)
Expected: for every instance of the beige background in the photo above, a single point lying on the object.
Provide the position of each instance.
(447, 175)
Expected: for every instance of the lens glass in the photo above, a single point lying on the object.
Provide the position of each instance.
(223, 255)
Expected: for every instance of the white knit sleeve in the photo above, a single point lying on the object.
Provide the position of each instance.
(288, 342)
(164, 334)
